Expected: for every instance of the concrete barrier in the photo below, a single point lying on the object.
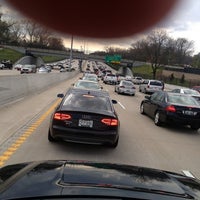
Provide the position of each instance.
(14, 87)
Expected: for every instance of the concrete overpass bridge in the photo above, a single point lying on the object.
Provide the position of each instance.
(33, 56)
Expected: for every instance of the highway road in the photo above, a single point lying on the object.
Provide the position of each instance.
(24, 128)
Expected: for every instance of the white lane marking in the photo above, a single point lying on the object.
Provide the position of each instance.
(121, 105)
(188, 173)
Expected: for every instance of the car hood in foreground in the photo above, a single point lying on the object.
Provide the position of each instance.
(90, 179)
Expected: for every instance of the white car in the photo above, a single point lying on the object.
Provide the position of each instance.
(110, 79)
(2, 66)
(28, 69)
(137, 80)
(128, 78)
(125, 87)
(18, 67)
(150, 86)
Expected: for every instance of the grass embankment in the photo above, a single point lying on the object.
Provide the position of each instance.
(50, 59)
(146, 72)
(13, 56)
(9, 54)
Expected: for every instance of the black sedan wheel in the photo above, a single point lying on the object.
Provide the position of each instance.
(114, 145)
(142, 109)
(194, 127)
(50, 138)
(157, 119)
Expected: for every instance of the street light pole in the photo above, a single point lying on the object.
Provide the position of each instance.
(71, 50)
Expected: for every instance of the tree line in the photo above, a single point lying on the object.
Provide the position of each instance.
(159, 49)
(24, 32)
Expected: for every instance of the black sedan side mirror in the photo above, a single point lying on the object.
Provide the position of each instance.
(114, 101)
(60, 95)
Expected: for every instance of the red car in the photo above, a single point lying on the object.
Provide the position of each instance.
(197, 88)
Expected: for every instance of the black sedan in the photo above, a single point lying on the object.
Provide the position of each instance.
(85, 116)
(64, 179)
(173, 108)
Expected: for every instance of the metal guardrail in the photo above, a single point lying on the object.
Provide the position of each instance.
(189, 70)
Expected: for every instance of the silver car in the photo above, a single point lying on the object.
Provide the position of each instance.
(125, 87)
(43, 70)
(188, 91)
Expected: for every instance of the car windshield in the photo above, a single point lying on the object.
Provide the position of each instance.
(87, 84)
(127, 83)
(103, 97)
(87, 102)
(90, 78)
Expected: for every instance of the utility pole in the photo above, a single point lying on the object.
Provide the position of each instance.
(71, 51)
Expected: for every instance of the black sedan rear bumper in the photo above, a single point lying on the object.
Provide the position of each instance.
(170, 117)
(84, 136)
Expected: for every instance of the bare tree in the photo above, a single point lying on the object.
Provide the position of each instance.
(35, 34)
(55, 43)
(183, 49)
(152, 48)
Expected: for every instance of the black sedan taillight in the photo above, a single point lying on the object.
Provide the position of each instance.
(110, 122)
(170, 108)
(61, 116)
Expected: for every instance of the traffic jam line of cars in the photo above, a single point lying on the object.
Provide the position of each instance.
(62, 66)
(86, 114)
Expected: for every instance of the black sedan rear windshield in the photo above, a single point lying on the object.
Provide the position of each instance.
(87, 101)
(182, 99)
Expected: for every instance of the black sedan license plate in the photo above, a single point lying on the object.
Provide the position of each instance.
(189, 112)
(85, 123)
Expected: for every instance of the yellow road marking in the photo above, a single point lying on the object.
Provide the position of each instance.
(21, 139)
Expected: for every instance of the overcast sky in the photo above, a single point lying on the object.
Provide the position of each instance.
(183, 21)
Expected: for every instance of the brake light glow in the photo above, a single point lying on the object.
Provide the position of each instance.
(110, 122)
(62, 116)
(170, 108)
